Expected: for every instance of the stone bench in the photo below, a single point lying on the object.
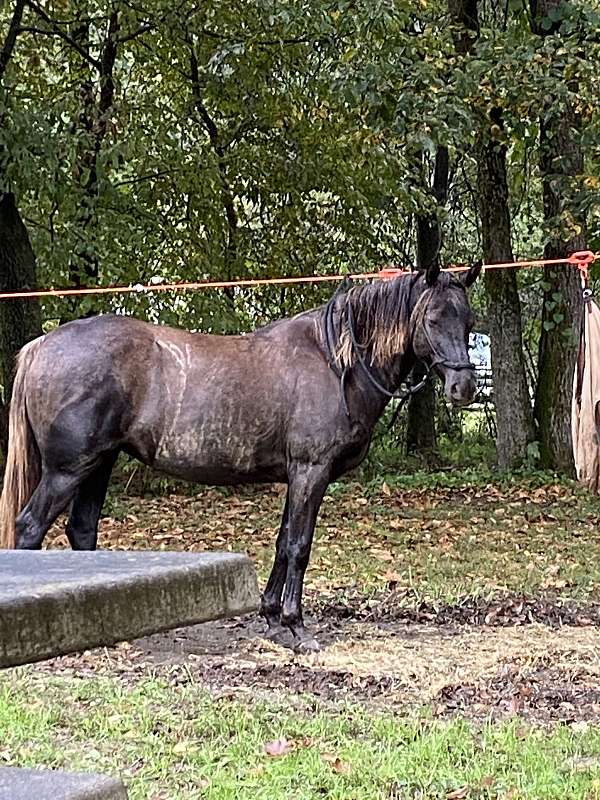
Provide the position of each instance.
(46, 784)
(54, 602)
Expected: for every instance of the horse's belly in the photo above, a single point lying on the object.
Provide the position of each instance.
(199, 456)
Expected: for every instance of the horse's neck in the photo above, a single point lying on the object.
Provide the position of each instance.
(388, 375)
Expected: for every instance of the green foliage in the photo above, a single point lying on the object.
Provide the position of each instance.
(298, 149)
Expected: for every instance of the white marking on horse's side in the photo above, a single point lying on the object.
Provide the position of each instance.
(183, 361)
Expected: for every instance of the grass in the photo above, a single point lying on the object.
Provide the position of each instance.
(173, 741)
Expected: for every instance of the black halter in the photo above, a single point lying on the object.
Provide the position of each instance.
(412, 389)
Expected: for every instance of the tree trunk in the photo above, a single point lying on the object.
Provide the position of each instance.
(421, 437)
(93, 121)
(514, 419)
(20, 320)
(514, 416)
(230, 250)
(561, 161)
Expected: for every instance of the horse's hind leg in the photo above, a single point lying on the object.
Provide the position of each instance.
(270, 607)
(52, 495)
(82, 527)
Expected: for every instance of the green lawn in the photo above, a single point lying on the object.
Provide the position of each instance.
(174, 741)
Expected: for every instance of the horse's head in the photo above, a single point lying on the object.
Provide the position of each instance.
(441, 322)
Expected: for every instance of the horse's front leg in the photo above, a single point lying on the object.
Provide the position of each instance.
(307, 485)
(270, 607)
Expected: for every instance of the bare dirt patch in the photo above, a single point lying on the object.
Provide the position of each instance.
(536, 672)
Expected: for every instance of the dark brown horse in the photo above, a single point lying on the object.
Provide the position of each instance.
(295, 402)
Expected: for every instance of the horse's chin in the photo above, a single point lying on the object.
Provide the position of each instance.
(462, 402)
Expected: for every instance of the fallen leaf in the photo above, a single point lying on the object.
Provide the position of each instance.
(459, 794)
(583, 764)
(182, 747)
(336, 764)
(391, 576)
(341, 767)
(279, 747)
(513, 705)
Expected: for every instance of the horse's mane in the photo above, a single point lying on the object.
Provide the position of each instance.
(381, 316)
(381, 313)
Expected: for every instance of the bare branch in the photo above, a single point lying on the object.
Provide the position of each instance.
(260, 42)
(213, 135)
(211, 128)
(127, 37)
(54, 28)
(148, 177)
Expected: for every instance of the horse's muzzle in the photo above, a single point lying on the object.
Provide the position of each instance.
(460, 386)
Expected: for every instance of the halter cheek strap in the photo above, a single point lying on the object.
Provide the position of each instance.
(435, 358)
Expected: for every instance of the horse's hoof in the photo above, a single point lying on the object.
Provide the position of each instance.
(306, 644)
(279, 635)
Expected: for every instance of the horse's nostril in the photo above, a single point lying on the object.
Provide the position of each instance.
(455, 390)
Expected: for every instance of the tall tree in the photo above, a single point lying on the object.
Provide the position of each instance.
(96, 90)
(561, 165)
(514, 416)
(20, 320)
(514, 419)
(421, 435)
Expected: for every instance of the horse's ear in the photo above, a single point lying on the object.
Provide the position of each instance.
(432, 273)
(469, 277)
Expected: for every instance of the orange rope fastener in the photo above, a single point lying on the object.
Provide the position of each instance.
(389, 273)
(582, 259)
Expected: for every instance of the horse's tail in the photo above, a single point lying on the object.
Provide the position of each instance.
(23, 464)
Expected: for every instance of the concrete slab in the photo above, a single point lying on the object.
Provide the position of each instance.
(54, 602)
(45, 784)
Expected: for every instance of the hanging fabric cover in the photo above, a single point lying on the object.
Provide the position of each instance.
(585, 417)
